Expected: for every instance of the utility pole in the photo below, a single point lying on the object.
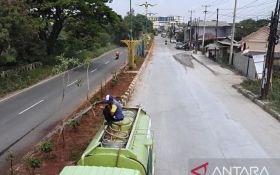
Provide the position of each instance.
(191, 11)
(205, 12)
(273, 40)
(232, 34)
(217, 24)
(197, 32)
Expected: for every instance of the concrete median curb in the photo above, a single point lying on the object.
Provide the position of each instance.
(260, 103)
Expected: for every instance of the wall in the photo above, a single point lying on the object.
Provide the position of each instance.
(222, 31)
(244, 65)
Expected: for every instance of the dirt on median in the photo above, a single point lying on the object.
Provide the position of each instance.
(76, 139)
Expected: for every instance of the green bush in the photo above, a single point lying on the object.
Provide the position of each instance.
(114, 82)
(33, 163)
(203, 50)
(74, 123)
(46, 147)
(7, 59)
(274, 93)
(24, 79)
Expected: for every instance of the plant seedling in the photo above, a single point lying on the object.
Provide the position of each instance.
(47, 148)
(33, 163)
(114, 82)
(74, 123)
(10, 158)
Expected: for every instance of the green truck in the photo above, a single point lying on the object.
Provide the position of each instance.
(125, 148)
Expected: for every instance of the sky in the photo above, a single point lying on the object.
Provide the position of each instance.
(256, 9)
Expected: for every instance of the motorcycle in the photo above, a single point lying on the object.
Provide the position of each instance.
(117, 55)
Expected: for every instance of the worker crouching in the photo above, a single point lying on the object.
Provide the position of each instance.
(112, 111)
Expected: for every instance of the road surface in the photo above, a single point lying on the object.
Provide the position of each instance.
(26, 117)
(197, 114)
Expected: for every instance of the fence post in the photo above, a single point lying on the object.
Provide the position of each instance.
(248, 66)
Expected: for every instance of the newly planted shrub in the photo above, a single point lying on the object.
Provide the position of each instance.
(33, 163)
(114, 82)
(47, 148)
(10, 158)
(74, 123)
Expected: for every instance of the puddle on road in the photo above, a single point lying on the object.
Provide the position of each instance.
(184, 59)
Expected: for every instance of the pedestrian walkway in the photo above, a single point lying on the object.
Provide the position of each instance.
(212, 65)
(218, 70)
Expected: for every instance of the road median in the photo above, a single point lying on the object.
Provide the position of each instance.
(71, 136)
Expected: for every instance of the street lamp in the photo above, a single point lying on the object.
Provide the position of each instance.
(146, 5)
(130, 12)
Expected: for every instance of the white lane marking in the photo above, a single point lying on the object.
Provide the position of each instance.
(30, 107)
(72, 83)
(93, 70)
(107, 62)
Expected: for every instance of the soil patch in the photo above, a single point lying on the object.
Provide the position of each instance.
(69, 145)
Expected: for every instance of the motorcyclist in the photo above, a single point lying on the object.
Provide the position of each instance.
(117, 54)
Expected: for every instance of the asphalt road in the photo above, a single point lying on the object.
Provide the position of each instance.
(26, 117)
(196, 114)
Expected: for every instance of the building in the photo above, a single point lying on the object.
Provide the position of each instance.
(219, 51)
(256, 44)
(197, 28)
(164, 22)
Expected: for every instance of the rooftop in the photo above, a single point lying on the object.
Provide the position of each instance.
(212, 23)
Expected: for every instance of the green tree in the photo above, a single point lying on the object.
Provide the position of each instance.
(139, 24)
(18, 37)
(54, 14)
(245, 27)
(180, 36)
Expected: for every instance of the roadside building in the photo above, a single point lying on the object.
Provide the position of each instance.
(164, 22)
(194, 29)
(256, 44)
(219, 51)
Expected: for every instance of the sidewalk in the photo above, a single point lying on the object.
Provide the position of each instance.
(226, 74)
(235, 80)
(211, 65)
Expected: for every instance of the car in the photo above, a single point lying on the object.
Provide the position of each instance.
(180, 45)
(163, 35)
(173, 41)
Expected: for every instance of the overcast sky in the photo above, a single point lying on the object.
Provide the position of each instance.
(255, 9)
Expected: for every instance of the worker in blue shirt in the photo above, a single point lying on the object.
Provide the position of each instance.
(113, 110)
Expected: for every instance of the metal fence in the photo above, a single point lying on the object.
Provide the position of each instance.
(245, 65)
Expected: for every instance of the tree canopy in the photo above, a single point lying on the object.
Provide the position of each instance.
(245, 27)
(140, 23)
(34, 30)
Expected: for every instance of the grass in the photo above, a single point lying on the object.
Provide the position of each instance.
(95, 53)
(25, 79)
(274, 94)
